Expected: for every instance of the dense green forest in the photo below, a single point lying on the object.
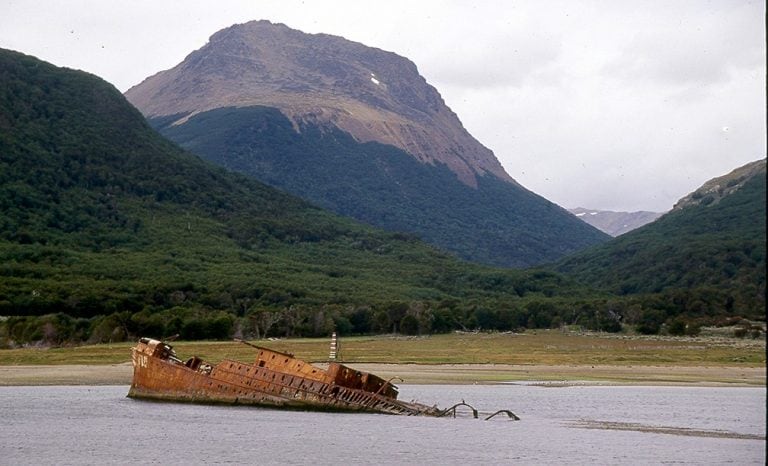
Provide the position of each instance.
(706, 258)
(103, 220)
(108, 232)
(497, 223)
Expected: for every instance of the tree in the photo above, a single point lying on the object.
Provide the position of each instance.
(262, 320)
(381, 322)
(409, 325)
(650, 321)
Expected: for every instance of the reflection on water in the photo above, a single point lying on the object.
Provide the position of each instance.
(575, 425)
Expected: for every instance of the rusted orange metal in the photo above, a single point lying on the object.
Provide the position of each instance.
(274, 379)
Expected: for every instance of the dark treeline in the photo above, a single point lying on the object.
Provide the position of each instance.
(677, 313)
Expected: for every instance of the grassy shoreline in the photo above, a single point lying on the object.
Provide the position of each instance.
(549, 357)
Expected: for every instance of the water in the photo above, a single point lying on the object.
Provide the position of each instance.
(574, 425)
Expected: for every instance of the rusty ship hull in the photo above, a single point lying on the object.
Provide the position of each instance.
(274, 379)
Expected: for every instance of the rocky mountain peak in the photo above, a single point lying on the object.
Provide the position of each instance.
(372, 94)
(714, 190)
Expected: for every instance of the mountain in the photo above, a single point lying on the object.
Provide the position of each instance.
(709, 255)
(615, 223)
(368, 93)
(356, 130)
(109, 229)
(716, 189)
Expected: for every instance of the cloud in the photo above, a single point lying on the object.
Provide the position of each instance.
(659, 62)
(493, 60)
(691, 47)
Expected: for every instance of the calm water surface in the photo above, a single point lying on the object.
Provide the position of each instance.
(573, 425)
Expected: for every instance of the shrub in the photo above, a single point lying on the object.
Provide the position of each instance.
(677, 327)
(650, 321)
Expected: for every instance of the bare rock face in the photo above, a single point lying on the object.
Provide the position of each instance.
(369, 93)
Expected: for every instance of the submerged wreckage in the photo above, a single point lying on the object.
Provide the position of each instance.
(274, 379)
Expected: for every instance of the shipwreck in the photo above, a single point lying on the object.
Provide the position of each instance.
(274, 379)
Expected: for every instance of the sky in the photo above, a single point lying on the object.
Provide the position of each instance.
(615, 105)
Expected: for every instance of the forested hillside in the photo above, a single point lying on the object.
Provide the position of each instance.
(108, 230)
(705, 259)
(493, 223)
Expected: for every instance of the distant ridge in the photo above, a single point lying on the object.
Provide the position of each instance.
(615, 223)
(356, 130)
(716, 189)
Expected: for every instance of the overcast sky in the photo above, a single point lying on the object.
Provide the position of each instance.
(619, 105)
